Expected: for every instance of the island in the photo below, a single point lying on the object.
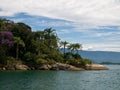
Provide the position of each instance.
(22, 48)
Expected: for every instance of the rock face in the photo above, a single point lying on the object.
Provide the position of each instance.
(56, 66)
(21, 67)
(9, 67)
(45, 67)
(73, 68)
(59, 66)
(95, 67)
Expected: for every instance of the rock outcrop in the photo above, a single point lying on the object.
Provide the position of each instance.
(22, 67)
(56, 66)
(45, 67)
(95, 67)
(73, 68)
(59, 66)
(9, 67)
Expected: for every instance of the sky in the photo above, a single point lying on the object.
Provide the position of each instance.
(93, 23)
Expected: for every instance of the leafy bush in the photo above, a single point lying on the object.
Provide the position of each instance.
(2, 55)
(87, 61)
(77, 56)
(55, 55)
(12, 61)
(40, 61)
(50, 61)
(29, 56)
(68, 55)
(77, 62)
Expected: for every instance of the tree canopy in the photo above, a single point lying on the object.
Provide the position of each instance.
(19, 42)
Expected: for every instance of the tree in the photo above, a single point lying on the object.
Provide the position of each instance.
(39, 35)
(78, 47)
(6, 38)
(50, 38)
(6, 41)
(72, 47)
(75, 46)
(64, 44)
(18, 41)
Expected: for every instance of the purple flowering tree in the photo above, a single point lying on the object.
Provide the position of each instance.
(6, 38)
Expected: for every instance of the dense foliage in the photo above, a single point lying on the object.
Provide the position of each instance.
(19, 44)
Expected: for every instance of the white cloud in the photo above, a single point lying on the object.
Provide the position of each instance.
(85, 16)
(94, 12)
(102, 46)
(104, 34)
(53, 23)
(64, 31)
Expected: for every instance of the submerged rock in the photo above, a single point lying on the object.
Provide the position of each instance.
(95, 67)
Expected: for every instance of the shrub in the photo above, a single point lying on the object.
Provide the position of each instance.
(40, 61)
(77, 56)
(29, 56)
(12, 61)
(51, 61)
(87, 61)
(76, 62)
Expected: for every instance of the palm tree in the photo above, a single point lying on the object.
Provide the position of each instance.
(72, 47)
(64, 44)
(18, 41)
(78, 47)
(50, 36)
(75, 46)
(39, 35)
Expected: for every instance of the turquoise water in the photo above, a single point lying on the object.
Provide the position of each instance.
(61, 80)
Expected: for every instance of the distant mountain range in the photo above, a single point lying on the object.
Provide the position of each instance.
(101, 56)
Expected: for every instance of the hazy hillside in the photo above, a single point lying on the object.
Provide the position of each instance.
(101, 56)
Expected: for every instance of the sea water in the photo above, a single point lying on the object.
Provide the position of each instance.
(61, 80)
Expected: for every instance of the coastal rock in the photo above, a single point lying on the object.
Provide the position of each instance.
(95, 67)
(21, 67)
(60, 66)
(1, 67)
(73, 68)
(9, 67)
(44, 67)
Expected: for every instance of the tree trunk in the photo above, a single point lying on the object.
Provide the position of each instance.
(17, 51)
(64, 51)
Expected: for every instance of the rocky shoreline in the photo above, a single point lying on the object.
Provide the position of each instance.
(56, 66)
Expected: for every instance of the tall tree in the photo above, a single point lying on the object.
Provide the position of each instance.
(64, 44)
(6, 41)
(78, 47)
(18, 41)
(6, 38)
(50, 38)
(75, 46)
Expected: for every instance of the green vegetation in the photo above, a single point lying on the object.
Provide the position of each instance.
(19, 44)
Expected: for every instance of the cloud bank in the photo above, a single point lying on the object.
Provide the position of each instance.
(94, 12)
(94, 21)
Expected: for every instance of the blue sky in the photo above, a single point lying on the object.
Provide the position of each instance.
(93, 23)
